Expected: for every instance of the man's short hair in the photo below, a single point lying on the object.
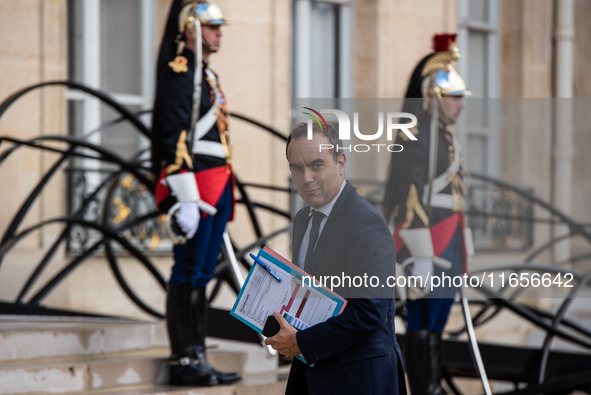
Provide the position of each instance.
(301, 130)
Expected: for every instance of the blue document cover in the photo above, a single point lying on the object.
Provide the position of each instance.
(303, 304)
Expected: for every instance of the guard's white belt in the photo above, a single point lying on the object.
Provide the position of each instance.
(206, 122)
(210, 148)
(443, 200)
(440, 182)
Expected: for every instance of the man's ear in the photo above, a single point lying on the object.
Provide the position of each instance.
(288, 153)
(341, 161)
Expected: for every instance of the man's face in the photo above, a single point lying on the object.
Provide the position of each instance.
(315, 174)
(453, 106)
(213, 35)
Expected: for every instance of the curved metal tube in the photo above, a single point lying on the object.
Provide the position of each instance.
(93, 92)
(574, 226)
(105, 154)
(37, 272)
(250, 207)
(260, 125)
(555, 323)
(10, 237)
(123, 283)
(530, 316)
(104, 230)
(515, 267)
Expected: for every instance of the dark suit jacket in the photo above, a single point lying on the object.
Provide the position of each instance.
(355, 352)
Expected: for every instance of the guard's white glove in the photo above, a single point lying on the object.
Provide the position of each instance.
(423, 268)
(188, 218)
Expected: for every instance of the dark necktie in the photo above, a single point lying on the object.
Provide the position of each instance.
(316, 220)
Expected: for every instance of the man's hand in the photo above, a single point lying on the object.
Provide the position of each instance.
(285, 340)
(188, 218)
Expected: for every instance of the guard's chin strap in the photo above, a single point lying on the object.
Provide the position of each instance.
(206, 45)
(435, 93)
(443, 114)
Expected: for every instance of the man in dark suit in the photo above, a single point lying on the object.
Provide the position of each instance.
(339, 233)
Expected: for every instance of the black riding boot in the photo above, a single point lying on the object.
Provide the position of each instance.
(423, 360)
(199, 307)
(183, 370)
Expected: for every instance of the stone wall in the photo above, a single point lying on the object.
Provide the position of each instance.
(33, 48)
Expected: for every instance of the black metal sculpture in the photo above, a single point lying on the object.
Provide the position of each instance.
(122, 205)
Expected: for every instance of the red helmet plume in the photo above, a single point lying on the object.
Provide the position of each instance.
(442, 42)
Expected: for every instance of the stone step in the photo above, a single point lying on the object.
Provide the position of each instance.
(265, 384)
(120, 376)
(257, 359)
(26, 338)
(64, 377)
(101, 374)
(55, 355)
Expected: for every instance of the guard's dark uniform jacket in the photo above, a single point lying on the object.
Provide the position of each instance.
(210, 160)
(408, 187)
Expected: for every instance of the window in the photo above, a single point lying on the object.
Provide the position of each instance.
(321, 49)
(321, 54)
(479, 44)
(478, 133)
(111, 48)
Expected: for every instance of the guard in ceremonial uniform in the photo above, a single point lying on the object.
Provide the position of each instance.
(424, 194)
(191, 156)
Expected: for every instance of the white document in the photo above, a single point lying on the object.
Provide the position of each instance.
(262, 295)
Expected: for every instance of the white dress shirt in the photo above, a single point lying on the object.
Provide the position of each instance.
(324, 210)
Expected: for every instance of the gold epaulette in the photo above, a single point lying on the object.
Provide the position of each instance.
(179, 64)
